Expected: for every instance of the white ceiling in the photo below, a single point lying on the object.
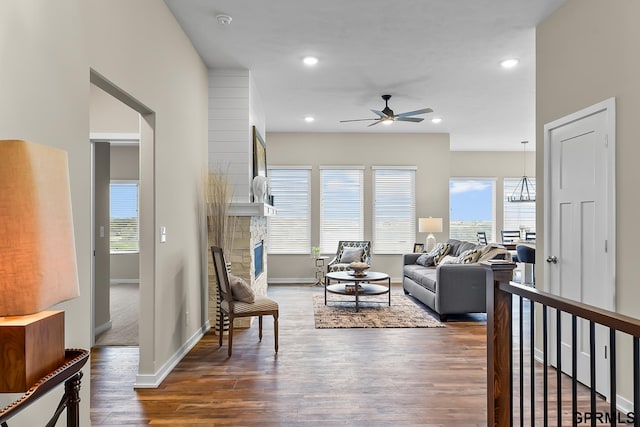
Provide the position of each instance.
(442, 54)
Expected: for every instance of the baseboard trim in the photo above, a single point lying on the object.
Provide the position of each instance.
(154, 380)
(102, 328)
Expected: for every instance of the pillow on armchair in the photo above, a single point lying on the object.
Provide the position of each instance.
(350, 255)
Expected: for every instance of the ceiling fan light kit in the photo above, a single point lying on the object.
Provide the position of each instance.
(387, 115)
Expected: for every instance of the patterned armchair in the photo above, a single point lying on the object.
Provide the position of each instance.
(350, 251)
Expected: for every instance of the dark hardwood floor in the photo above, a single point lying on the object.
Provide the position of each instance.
(320, 377)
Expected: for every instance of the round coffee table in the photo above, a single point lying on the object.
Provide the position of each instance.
(349, 284)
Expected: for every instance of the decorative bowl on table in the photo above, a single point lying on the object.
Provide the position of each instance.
(358, 268)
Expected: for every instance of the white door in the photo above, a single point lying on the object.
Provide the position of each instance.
(579, 228)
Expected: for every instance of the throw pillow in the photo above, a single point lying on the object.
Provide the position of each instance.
(425, 260)
(469, 256)
(240, 290)
(350, 255)
(449, 259)
(492, 251)
(439, 252)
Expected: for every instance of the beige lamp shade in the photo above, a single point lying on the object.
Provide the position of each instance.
(430, 225)
(37, 247)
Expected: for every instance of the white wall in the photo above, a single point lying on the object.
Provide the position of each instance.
(586, 53)
(47, 51)
(151, 59)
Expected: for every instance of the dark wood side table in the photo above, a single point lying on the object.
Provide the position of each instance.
(70, 374)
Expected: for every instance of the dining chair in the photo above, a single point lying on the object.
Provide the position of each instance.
(262, 306)
(482, 237)
(530, 235)
(510, 236)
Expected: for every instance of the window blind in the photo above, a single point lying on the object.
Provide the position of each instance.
(341, 206)
(124, 222)
(394, 207)
(289, 230)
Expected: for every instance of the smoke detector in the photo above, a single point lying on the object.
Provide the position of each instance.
(224, 19)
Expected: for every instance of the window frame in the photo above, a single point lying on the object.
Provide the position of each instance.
(329, 237)
(306, 240)
(111, 228)
(386, 246)
(491, 235)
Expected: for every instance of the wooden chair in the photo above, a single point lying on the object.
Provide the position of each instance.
(482, 237)
(262, 306)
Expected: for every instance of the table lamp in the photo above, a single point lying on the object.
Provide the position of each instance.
(430, 225)
(37, 261)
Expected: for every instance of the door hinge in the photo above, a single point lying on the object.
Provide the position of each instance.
(606, 246)
(605, 352)
(606, 140)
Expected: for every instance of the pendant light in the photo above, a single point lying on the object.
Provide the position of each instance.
(525, 191)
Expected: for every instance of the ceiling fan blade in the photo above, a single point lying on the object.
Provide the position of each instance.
(409, 119)
(375, 123)
(413, 113)
(355, 120)
(379, 113)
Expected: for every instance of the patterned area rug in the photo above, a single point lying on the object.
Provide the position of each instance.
(374, 313)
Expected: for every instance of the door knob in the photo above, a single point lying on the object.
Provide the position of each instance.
(552, 259)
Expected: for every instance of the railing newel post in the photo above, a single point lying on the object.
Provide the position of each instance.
(499, 357)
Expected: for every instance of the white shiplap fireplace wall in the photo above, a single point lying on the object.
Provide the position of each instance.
(234, 108)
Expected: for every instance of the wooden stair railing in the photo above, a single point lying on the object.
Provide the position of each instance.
(500, 393)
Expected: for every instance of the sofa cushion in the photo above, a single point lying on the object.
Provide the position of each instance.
(423, 276)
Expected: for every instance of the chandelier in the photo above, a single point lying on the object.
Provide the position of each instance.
(525, 191)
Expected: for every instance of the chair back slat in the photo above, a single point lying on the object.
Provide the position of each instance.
(220, 267)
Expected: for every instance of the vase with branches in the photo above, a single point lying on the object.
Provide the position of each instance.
(221, 229)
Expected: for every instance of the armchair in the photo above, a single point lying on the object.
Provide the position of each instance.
(350, 251)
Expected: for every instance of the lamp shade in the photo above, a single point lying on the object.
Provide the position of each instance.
(37, 246)
(430, 225)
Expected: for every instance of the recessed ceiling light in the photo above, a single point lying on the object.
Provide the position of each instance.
(309, 119)
(436, 120)
(509, 63)
(310, 60)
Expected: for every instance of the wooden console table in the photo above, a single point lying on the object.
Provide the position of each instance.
(70, 374)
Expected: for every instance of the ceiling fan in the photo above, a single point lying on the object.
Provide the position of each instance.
(387, 116)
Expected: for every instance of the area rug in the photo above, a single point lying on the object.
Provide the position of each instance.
(374, 313)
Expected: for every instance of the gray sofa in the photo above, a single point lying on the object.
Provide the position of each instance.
(451, 288)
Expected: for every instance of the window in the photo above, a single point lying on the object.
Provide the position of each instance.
(341, 206)
(124, 226)
(521, 215)
(472, 206)
(289, 230)
(394, 207)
